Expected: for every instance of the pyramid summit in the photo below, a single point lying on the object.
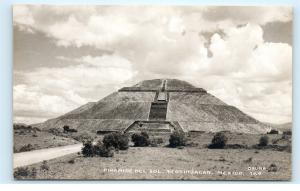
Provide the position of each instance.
(158, 105)
(163, 85)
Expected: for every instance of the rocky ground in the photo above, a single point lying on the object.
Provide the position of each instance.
(27, 138)
(192, 162)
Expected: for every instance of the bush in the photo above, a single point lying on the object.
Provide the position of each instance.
(284, 136)
(66, 128)
(140, 140)
(88, 149)
(73, 131)
(273, 131)
(71, 161)
(25, 148)
(218, 141)
(117, 140)
(272, 168)
(44, 166)
(287, 132)
(24, 172)
(177, 139)
(101, 150)
(263, 141)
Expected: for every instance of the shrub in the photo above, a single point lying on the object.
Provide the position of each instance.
(44, 166)
(284, 136)
(71, 161)
(218, 141)
(123, 143)
(249, 160)
(177, 139)
(272, 168)
(24, 172)
(88, 149)
(66, 128)
(33, 172)
(101, 150)
(273, 131)
(140, 139)
(263, 141)
(25, 148)
(73, 131)
(287, 132)
(117, 140)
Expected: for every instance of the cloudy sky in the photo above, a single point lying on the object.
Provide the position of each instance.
(66, 56)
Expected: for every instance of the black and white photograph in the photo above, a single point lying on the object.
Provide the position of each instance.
(152, 92)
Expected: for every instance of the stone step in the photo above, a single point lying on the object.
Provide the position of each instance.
(152, 127)
(158, 111)
(162, 96)
(159, 104)
(155, 125)
(154, 133)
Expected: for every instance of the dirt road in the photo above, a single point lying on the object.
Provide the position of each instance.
(31, 157)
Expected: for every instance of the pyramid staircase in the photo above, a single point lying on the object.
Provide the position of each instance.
(158, 111)
(156, 123)
(159, 107)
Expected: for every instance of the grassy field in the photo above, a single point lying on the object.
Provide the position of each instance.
(38, 140)
(192, 162)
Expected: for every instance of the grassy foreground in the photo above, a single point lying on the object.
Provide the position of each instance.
(193, 162)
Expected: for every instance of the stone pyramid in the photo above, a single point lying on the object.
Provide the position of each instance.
(158, 105)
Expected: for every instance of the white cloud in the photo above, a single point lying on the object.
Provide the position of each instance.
(23, 18)
(271, 61)
(103, 26)
(51, 92)
(31, 103)
(22, 15)
(253, 14)
(249, 73)
(268, 102)
(230, 53)
(243, 54)
(156, 42)
(98, 31)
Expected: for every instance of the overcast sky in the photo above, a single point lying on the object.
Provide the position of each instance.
(66, 56)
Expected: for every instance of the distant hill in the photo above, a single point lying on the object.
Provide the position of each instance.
(282, 127)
